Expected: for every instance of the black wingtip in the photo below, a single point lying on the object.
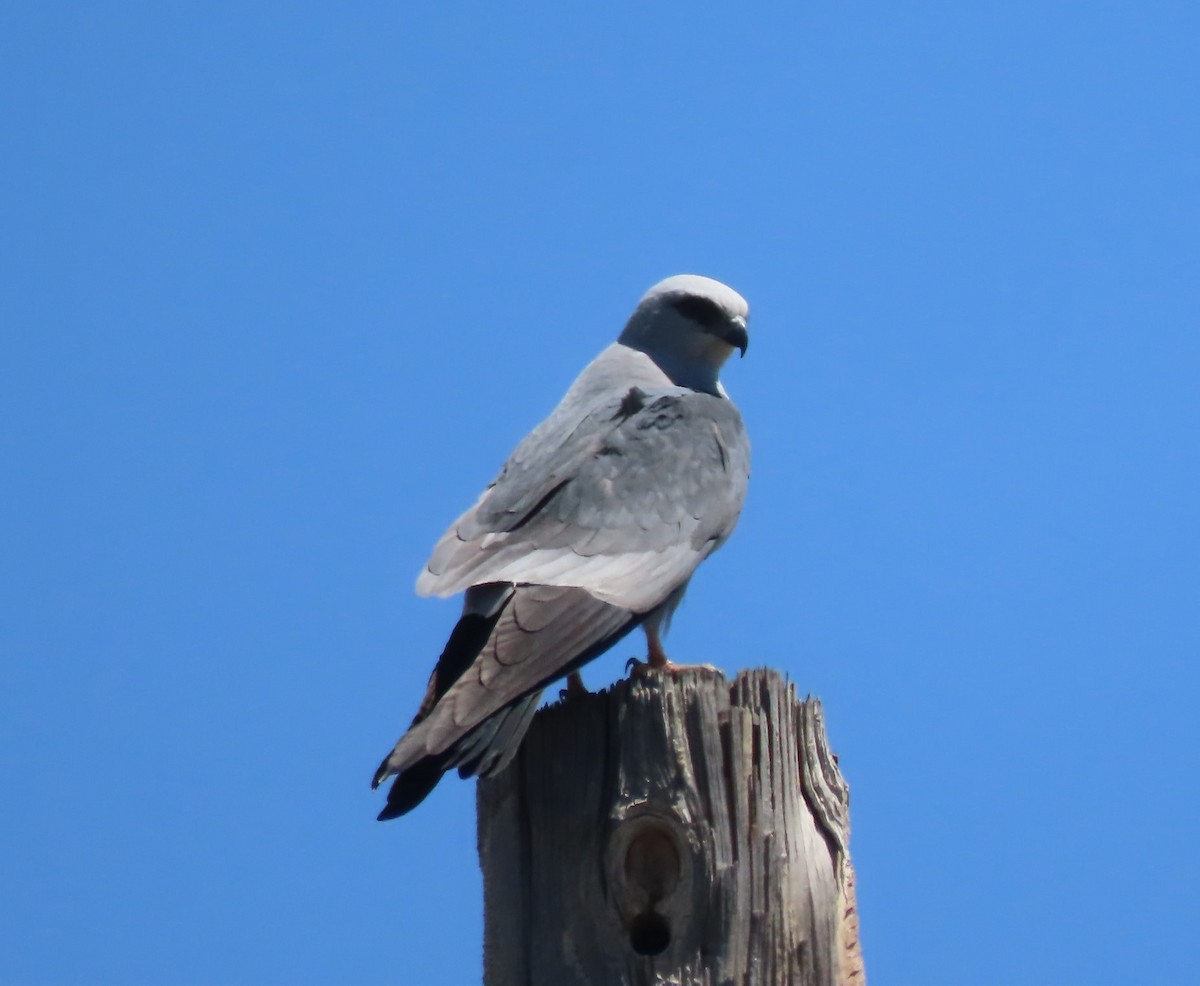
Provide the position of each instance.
(412, 786)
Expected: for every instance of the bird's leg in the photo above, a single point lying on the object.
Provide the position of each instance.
(575, 687)
(656, 657)
(657, 660)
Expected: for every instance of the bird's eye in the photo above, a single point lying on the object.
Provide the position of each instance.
(702, 311)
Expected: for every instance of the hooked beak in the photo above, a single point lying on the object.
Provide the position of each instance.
(737, 336)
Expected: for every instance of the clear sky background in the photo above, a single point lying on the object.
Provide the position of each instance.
(282, 284)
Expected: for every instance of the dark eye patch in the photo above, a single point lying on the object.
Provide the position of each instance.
(702, 311)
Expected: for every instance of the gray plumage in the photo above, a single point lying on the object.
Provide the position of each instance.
(595, 525)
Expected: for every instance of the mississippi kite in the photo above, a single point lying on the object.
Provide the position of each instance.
(593, 527)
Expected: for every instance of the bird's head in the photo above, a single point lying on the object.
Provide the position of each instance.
(689, 325)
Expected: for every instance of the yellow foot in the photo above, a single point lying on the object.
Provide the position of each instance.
(643, 669)
(656, 659)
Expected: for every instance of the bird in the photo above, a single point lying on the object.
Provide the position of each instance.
(594, 526)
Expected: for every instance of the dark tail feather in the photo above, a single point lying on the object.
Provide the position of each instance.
(483, 750)
(468, 638)
(494, 742)
(412, 786)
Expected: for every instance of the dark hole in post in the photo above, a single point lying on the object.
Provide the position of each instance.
(649, 933)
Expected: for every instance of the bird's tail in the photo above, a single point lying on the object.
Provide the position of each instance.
(411, 786)
(484, 751)
(535, 634)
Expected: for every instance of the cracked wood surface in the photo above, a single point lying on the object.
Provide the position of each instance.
(675, 829)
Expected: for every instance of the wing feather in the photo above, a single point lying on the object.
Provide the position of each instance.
(542, 633)
(626, 506)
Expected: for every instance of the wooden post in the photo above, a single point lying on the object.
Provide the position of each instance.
(675, 829)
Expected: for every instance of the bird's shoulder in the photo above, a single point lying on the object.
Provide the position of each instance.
(622, 419)
(628, 466)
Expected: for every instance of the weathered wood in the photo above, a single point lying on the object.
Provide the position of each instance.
(674, 829)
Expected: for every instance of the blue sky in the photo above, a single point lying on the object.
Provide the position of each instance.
(281, 285)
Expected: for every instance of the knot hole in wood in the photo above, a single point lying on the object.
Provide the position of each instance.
(648, 876)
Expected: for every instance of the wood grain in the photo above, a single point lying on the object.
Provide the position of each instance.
(677, 829)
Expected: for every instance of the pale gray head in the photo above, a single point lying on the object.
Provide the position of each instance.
(689, 325)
